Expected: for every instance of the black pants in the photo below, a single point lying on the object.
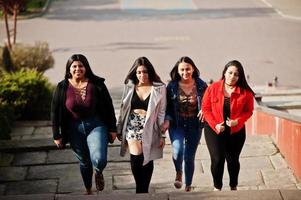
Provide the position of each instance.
(224, 146)
(142, 174)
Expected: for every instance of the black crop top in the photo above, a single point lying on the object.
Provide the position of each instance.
(137, 103)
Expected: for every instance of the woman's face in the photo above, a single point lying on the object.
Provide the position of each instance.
(77, 70)
(231, 76)
(185, 71)
(142, 74)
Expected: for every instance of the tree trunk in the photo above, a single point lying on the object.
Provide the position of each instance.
(16, 9)
(7, 27)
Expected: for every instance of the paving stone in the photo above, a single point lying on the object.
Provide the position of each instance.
(32, 123)
(12, 173)
(278, 161)
(61, 156)
(16, 137)
(123, 182)
(291, 194)
(2, 189)
(26, 145)
(203, 180)
(258, 139)
(31, 187)
(45, 131)
(69, 184)
(258, 149)
(122, 196)
(259, 162)
(20, 131)
(29, 197)
(6, 159)
(118, 167)
(53, 171)
(280, 178)
(202, 153)
(250, 178)
(163, 175)
(226, 195)
(36, 137)
(30, 158)
(114, 156)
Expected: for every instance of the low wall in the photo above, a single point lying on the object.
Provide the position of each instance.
(284, 128)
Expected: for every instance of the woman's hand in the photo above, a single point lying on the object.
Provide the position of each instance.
(113, 135)
(231, 122)
(220, 127)
(59, 143)
(162, 142)
(201, 116)
(164, 126)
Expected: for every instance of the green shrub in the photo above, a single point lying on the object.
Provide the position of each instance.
(28, 92)
(36, 57)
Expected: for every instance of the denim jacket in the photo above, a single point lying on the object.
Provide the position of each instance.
(172, 113)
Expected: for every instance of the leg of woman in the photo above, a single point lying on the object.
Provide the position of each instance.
(98, 146)
(192, 139)
(78, 143)
(216, 150)
(234, 146)
(147, 172)
(136, 167)
(177, 140)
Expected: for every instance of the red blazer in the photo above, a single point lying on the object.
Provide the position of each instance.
(241, 105)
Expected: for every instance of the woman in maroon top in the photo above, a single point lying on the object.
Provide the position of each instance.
(227, 104)
(83, 114)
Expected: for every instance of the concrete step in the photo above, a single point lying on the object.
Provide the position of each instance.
(224, 195)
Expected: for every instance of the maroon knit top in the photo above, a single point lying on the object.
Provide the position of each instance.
(79, 108)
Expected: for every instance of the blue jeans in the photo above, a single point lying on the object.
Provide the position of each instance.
(89, 141)
(185, 139)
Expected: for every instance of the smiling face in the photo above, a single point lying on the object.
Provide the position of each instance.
(185, 71)
(142, 75)
(77, 70)
(231, 76)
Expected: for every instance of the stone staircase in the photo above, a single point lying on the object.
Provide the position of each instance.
(31, 167)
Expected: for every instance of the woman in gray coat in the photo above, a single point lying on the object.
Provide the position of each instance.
(142, 113)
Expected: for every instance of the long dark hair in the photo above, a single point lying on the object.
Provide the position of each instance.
(152, 75)
(241, 82)
(174, 75)
(78, 57)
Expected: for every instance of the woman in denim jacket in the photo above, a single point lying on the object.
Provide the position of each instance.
(183, 115)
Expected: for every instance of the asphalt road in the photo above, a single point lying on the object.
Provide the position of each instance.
(113, 33)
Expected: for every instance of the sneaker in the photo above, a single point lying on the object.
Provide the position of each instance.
(188, 189)
(216, 189)
(99, 181)
(178, 180)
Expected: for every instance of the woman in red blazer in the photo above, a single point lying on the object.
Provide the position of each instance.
(227, 104)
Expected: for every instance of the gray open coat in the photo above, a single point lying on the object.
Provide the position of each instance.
(154, 118)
